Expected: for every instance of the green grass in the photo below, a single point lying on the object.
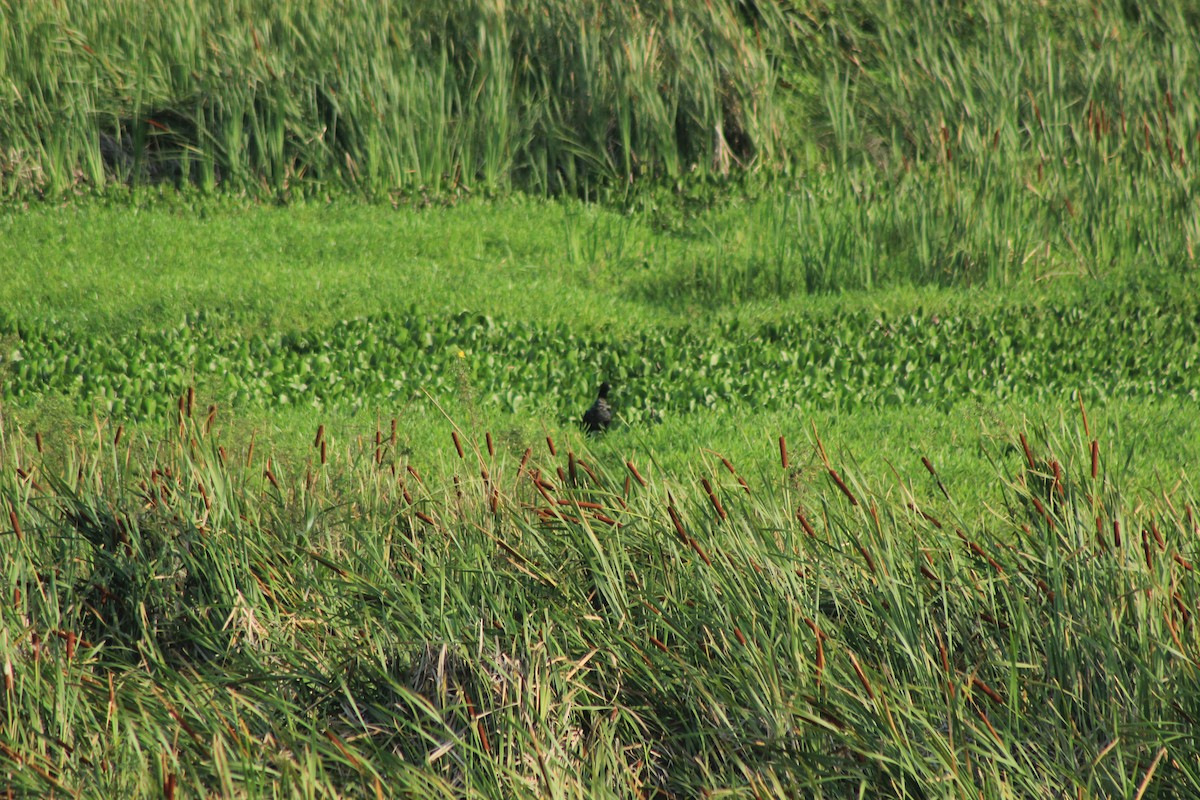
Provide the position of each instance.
(278, 620)
(298, 316)
(208, 618)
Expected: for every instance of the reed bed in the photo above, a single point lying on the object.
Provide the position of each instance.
(559, 619)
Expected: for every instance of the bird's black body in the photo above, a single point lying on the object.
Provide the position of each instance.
(597, 418)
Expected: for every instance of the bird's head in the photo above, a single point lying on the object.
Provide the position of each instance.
(604, 387)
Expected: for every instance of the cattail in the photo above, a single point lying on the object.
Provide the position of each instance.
(457, 443)
(117, 438)
(1183, 562)
(929, 466)
(564, 501)
(1146, 549)
(712, 497)
(550, 444)
(428, 520)
(738, 633)
(932, 520)
(699, 550)
(993, 695)
(983, 716)
(866, 557)
(571, 468)
(250, 451)
(636, 474)
(745, 486)
(1028, 452)
(524, 460)
(37, 439)
(862, 677)
(683, 537)
(584, 466)
(16, 525)
(322, 451)
(658, 643)
(804, 523)
(413, 471)
(783, 459)
(627, 486)
(495, 500)
(562, 476)
(191, 401)
(491, 448)
(1037, 504)
(837, 479)
(378, 447)
(607, 520)
(1100, 532)
(979, 551)
(1157, 536)
(1116, 528)
(9, 678)
(70, 637)
(541, 482)
(728, 465)
(1045, 589)
(271, 475)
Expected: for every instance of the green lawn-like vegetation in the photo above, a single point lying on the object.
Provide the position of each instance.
(301, 303)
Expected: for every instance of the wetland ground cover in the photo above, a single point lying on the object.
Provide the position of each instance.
(297, 319)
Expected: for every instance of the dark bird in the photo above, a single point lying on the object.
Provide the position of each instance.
(596, 418)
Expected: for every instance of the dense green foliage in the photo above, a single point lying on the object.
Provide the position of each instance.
(201, 622)
(836, 360)
(948, 587)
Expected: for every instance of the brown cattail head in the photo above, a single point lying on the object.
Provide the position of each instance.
(636, 474)
(1028, 452)
(491, 448)
(679, 531)
(457, 443)
(783, 459)
(550, 445)
(837, 479)
(712, 497)
(862, 676)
